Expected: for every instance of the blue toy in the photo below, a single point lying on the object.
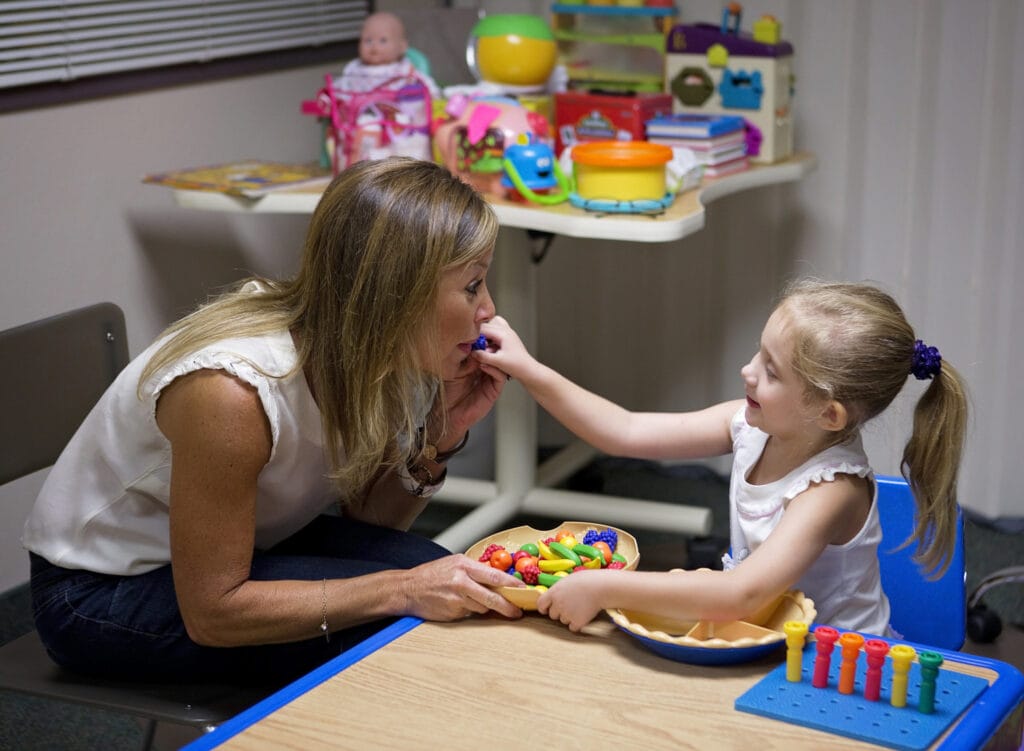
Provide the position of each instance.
(530, 165)
(480, 343)
(741, 90)
(853, 716)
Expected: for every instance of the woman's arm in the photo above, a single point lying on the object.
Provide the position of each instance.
(220, 441)
(602, 423)
(815, 518)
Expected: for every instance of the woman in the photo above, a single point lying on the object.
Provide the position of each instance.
(182, 534)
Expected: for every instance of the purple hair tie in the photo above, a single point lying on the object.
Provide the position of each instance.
(927, 361)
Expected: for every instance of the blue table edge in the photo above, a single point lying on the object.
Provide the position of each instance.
(977, 725)
(308, 682)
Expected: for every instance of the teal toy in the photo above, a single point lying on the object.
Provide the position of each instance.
(530, 166)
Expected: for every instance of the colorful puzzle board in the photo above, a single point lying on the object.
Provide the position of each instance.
(855, 717)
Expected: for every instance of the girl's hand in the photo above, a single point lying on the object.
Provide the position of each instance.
(575, 600)
(506, 355)
(456, 587)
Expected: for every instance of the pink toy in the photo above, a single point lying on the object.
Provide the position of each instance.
(391, 118)
(471, 142)
(826, 637)
(876, 650)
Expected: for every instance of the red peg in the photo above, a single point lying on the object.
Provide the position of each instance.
(825, 637)
(876, 650)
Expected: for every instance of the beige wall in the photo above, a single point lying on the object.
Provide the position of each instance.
(915, 110)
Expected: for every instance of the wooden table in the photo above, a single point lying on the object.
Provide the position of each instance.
(488, 683)
(520, 486)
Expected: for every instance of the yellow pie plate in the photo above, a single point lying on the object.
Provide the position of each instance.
(711, 643)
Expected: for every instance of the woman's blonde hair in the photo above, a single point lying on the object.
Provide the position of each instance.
(378, 243)
(853, 344)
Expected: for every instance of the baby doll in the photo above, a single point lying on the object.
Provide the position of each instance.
(382, 48)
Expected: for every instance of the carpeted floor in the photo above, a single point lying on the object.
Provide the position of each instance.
(30, 724)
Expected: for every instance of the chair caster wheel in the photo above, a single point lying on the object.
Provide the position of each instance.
(983, 625)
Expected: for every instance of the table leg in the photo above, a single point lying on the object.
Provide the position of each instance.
(515, 461)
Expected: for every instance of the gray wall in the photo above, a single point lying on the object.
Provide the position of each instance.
(914, 109)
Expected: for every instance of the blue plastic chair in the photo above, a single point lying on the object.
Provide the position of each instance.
(933, 613)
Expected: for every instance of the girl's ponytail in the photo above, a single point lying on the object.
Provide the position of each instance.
(931, 459)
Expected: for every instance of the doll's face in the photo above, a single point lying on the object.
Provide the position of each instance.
(382, 40)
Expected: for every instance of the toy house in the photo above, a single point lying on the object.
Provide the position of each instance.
(717, 69)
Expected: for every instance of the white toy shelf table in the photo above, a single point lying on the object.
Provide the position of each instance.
(520, 486)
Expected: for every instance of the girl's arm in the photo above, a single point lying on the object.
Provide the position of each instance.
(817, 517)
(220, 441)
(600, 422)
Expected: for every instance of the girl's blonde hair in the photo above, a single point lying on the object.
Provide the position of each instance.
(853, 344)
(378, 243)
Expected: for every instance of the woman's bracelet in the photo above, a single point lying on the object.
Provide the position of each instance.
(419, 481)
(323, 612)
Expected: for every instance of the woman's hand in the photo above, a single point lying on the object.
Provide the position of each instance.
(470, 397)
(456, 587)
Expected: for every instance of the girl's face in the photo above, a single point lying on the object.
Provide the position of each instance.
(776, 401)
(463, 303)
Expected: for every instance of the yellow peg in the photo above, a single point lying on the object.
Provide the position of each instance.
(901, 655)
(796, 632)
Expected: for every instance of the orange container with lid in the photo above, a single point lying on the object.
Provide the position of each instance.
(620, 170)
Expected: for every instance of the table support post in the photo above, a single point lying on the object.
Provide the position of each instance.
(514, 283)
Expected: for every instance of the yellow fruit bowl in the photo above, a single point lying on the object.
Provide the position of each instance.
(513, 539)
(711, 643)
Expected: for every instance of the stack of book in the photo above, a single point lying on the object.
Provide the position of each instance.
(717, 141)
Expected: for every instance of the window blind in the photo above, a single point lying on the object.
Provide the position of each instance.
(51, 41)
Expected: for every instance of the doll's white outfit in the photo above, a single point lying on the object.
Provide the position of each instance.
(357, 76)
(845, 581)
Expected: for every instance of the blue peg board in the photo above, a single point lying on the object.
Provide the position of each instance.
(851, 714)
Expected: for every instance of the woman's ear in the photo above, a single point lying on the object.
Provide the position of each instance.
(834, 416)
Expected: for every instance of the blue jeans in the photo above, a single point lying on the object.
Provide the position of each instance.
(130, 627)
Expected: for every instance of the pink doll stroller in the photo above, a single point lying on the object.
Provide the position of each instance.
(391, 117)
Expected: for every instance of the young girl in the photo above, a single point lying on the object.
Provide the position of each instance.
(802, 496)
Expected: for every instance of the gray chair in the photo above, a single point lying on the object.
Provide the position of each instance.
(53, 371)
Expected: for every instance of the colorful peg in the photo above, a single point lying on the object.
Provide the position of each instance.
(930, 662)
(826, 637)
(901, 655)
(876, 650)
(795, 632)
(850, 643)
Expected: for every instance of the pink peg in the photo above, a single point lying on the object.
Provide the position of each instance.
(826, 637)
